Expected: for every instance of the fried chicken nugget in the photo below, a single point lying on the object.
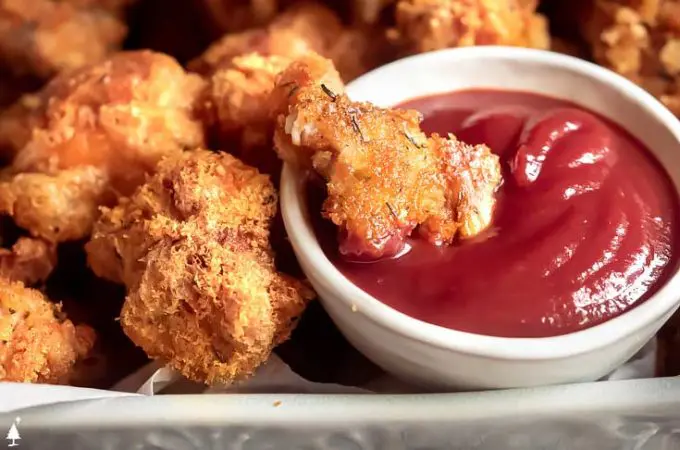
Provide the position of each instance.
(237, 110)
(638, 39)
(37, 343)
(92, 135)
(192, 247)
(426, 25)
(43, 37)
(303, 28)
(384, 177)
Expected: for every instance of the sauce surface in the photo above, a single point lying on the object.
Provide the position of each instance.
(584, 228)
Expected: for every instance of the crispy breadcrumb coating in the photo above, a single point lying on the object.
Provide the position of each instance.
(303, 28)
(639, 39)
(60, 207)
(192, 247)
(43, 37)
(29, 260)
(384, 177)
(92, 135)
(426, 25)
(237, 109)
(37, 343)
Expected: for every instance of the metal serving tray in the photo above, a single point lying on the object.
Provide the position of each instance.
(635, 414)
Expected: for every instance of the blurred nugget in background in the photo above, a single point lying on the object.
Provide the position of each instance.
(304, 27)
(426, 25)
(639, 39)
(40, 38)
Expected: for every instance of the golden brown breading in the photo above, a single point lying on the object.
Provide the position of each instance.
(43, 37)
(29, 260)
(384, 177)
(192, 247)
(92, 135)
(37, 343)
(426, 25)
(60, 207)
(303, 28)
(237, 109)
(639, 39)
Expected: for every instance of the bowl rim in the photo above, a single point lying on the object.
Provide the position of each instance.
(344, 292)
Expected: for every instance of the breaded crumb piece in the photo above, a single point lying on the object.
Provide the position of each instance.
(192, 247)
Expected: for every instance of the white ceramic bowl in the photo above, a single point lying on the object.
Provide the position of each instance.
(442, 358)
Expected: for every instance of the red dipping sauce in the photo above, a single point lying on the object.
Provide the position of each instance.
(584, 228)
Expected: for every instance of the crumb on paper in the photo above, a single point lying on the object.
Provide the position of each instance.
(354, 308)
(277, 403)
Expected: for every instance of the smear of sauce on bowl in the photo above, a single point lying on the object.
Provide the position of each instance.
(584, 229)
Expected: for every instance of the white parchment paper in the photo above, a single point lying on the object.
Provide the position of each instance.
(277, 377)
(272, 378)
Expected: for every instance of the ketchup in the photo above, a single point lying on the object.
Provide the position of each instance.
(584, 228)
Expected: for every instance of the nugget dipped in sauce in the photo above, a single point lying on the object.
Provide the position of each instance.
(38, 344)
(384, 177)
(426, 25)
(192, 247)
(91, 135)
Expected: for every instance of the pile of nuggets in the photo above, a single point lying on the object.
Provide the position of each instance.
(165, 173)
